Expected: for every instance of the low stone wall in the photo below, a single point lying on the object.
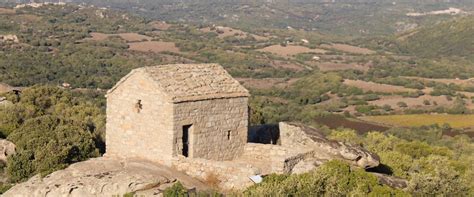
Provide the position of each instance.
(227, 175)
(274, 159)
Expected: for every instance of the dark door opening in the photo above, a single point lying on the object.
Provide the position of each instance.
(186, 130)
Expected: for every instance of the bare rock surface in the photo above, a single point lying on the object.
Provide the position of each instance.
(299, 136)
(391, 181)
(6, 148)
(105, 177)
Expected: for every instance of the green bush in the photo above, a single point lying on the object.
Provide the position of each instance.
(51, 129)
(334, 178)
(177, 190)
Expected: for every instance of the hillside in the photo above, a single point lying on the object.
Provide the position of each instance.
(346, 17)
(452, 38)
(340, 68)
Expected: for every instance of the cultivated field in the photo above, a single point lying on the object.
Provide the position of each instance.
(288, 65)
(160, 25)
(329, 66)
(348, 48)
(4, 88)
(153, 46)
(376, 87)
(129, 37)
(412, 102)
(290, 50)
(415, 120)
(461, 82)
(7, 11)
(98, 36)
(227, 31)
(335, 122)
(134, 37)
(266, 83)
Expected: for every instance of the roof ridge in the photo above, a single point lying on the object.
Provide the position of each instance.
(191, 82)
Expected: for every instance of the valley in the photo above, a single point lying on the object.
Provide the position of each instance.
(357, 78)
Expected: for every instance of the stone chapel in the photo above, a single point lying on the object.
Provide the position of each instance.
(184, 110)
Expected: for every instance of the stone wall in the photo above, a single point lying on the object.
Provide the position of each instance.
(219, 127)
(144, 129)
(226, 175)
(274, 158)
(298, 136)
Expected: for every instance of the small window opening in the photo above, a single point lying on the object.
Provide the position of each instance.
(228, 135)
(138, 106)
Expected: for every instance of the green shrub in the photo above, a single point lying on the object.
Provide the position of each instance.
(334, 178)
(177, 190)
(56, 129)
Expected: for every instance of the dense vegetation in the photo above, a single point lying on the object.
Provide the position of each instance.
(334, 178)
(347, 17)
(432, 164)
(51, 128)
(452, 38)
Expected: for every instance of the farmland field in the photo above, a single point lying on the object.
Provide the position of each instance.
(290, 50)
(414, 120)
(329, 66)
(349, 49)
(129, 37)
(153, 46)
(376, 87)
(4, 88)
(334, 122)
(7, 11)
(227, 31)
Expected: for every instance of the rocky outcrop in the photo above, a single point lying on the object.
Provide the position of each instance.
(105, 177)
(6, 148)
(9, 37)
(391, 181)
(299, 136)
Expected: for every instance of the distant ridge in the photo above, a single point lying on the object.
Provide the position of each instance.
(452, 38)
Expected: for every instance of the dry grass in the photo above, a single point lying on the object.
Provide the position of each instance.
(129, 37)
(329, 66)
(266, 83)
(349, 48)
(228, 31)
(376, 87)
(461, 82)
(28, 18)
(7, 11)
(160, 25)
(134, 37)
(415, 120)
(412, 102)
(98, 36)
(288, 65)
(290, 50)
(4, 88)
(154, 46)
(212, 180)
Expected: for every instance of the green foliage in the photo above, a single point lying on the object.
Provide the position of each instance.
(348, 136)
(51, 129)
(130, 194)
(450, 38)
(334, 178)
(20, 166)
(434, 177)
(5, 187)
(433, 165)
(177, 190)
